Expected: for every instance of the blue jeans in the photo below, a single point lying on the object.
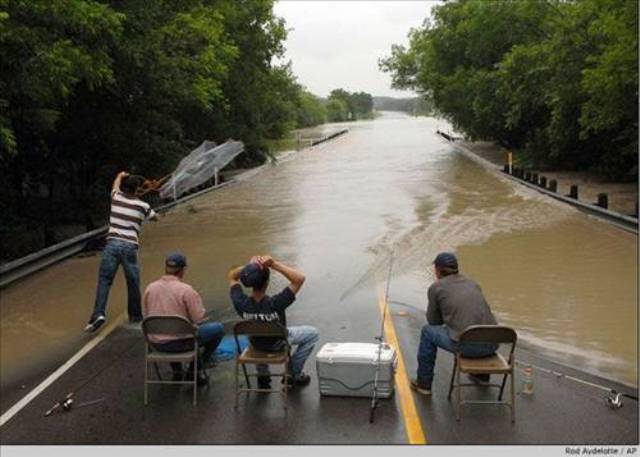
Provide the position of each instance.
(433, 337)
(209, 336)
(305, 338)
(118, 253)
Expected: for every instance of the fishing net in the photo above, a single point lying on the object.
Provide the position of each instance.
(200, 166)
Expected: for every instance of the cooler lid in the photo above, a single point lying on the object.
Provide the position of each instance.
(356, 353)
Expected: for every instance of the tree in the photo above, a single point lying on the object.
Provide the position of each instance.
(556, 79)
(337, 110)
(310, 110)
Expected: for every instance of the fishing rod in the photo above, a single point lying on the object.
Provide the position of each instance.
(67, 402)
(380, 339)
(614, 400)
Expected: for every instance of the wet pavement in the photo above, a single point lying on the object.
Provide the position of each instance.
(337, 211)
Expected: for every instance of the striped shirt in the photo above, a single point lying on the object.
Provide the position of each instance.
(126, 217)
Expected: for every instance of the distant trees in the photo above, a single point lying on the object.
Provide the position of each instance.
(417, 106)
(343, 105)
(556, 79)
(310, 110)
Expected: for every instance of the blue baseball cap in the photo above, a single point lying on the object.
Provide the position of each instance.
(176, 260)
(446, 260)
(253, 275)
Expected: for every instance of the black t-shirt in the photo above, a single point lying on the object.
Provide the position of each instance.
(269, 309)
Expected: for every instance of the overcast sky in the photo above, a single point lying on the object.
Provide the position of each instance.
(338, 43)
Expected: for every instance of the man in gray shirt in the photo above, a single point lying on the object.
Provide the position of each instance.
(455, 303)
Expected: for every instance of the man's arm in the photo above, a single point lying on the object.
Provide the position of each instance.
(234, 276)
(152, 215)
(434, 316)
(117, 181)
(195, 308)
(296, 278)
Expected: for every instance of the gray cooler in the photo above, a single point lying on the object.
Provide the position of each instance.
(349, 369)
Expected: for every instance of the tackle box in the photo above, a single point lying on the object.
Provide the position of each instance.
(349, 369)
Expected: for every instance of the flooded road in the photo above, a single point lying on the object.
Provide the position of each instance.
(565, 281)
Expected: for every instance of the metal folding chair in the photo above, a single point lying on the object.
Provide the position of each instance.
(494, 364)
(251, 355)
(169, 325)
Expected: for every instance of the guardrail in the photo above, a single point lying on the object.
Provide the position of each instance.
(20, 268)
(329, 137)
(25, 266)
(619, 220)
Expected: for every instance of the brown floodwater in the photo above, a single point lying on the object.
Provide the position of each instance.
(565, 281)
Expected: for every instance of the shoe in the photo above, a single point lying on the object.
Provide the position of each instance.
(480, 378)
(202, 380)
(422, 389)
(264, 382)
(95, 323)
(299, 381)
(133, 325)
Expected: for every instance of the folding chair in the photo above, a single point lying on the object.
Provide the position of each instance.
(494, 364)
(251, 355)
(171, 326)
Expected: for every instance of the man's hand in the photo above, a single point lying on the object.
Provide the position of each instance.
(116, 182)
(234, 276)
(266, 261)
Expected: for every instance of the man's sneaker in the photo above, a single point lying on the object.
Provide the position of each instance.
(480, 378)
(422, 389)
(299, 381)
(264, 382)
(95, 323)
(133, 325)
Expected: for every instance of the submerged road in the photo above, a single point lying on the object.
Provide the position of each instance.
(566, 282)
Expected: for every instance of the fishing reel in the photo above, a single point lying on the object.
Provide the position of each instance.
(67, 404)
(614, 400)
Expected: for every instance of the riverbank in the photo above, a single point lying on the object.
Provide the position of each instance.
(622, 196)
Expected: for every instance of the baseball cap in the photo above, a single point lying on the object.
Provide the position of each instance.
(446, 260)
(176, 260)
(253, 275)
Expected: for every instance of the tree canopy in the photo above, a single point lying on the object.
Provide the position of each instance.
(557, 80)
(90, 87)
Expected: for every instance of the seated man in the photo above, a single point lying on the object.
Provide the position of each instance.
(455, 303)
(260, 306)
(170, 296)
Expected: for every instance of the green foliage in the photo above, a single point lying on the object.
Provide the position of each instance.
(417, 106)
(337, 110)
(556, 79)
(90, 87)
(310, 110)
(343, 106)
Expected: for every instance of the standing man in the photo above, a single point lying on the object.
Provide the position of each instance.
(262, 307)
(455, 303)
(170, 296)
(127, 214)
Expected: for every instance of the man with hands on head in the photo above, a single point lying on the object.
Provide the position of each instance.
(271, 308)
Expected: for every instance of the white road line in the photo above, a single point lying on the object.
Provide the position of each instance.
(59, 372)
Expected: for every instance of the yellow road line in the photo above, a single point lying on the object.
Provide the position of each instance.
(415, 432)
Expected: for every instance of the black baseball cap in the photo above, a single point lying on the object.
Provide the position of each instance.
(253, 275)
(446, 260)
(176, 260)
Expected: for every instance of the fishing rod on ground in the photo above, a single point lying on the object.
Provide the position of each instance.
(67, 402)
(614, 399)
(380, 339)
